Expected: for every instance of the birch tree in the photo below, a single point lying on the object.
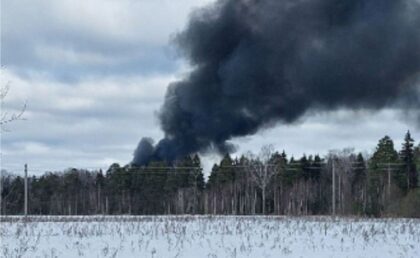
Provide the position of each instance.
(262, 170)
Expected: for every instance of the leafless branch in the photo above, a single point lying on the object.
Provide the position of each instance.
(6, 117)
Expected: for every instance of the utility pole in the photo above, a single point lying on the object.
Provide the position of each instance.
(26, 191)
(333, 187)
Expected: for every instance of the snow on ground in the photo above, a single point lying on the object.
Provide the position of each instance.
(208, 236)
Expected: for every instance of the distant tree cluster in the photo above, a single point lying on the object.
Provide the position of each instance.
(385, 184)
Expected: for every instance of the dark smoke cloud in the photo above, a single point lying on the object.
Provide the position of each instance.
(259, 62)
(144, 152)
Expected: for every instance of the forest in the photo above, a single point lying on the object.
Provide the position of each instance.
(383, 184)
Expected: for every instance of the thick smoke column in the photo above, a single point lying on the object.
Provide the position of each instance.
(257, 62)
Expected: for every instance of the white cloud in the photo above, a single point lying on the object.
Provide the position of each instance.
(147, 21)
(34, 148)
(54, 54)
(70, 39)
(90, 121)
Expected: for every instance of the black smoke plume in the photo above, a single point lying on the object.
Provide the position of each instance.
(259, 62)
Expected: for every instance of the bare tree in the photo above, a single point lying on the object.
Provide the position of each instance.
(6, 117)
(344, 164)
(262, 170)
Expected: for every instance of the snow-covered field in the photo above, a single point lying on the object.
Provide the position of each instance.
(209, 236)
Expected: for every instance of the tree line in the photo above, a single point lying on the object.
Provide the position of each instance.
(342, 182)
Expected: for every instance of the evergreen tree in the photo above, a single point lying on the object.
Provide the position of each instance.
(292, 172)
(284, 156)
(385, 155)
(100, 185)
(407, 156)
(199, 177)
(212, 181)
(226, 170)
(305, 169)
(154, 180)
(316, 168)
(113, 183)
(282, 162)
(14, 197)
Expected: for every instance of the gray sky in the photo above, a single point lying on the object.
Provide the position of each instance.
(94, 73)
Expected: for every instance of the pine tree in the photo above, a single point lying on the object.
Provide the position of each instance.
(316, 168)
(226, 170)
(281, 161)
(407, 156)
(199, 177)
(290, 173)
(99, 183)
(284, 156)
(153, 183)
(212, 181)
(385, 155)
(305, 164)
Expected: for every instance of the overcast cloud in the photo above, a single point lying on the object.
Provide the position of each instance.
(95, 72)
